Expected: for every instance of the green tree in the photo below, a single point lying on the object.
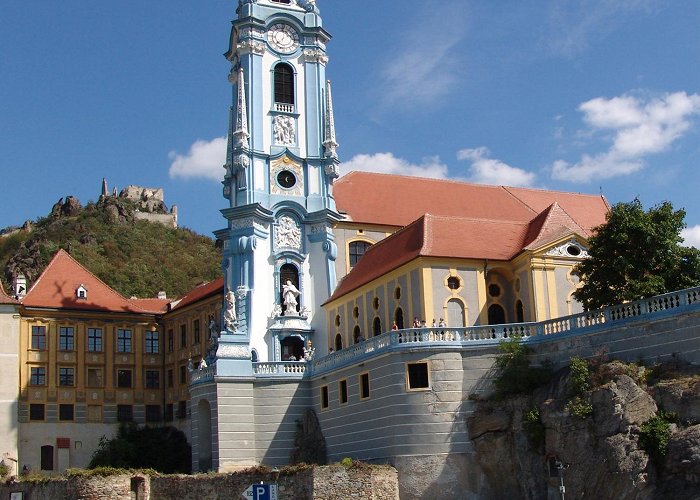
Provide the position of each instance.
(637, 254)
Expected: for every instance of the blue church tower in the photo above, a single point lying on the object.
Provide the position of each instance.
(279, 249)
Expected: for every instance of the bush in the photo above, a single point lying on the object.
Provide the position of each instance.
(534, 428)
(515, 375)
(655, 435)
(579, 403)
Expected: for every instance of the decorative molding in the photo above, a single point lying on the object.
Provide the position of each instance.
(287, 233)
(251, 47)
(571, 249)
(232, 351)
(315, 56)
(286, 163)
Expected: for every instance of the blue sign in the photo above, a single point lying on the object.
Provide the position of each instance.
(261, 491)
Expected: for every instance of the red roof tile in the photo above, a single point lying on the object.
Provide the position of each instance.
(56, 288)
(201, 292)
(395, 200)
(153, 305)
(437, 236)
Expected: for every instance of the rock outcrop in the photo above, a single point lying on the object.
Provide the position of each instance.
(520, 440)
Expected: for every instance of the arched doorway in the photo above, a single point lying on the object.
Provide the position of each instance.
(455, 313)
(47, 457)
(377, 326)
(398, 317)
(204, 435)
(288, 272)
(497, 315)
(292, 348)
(338, 342)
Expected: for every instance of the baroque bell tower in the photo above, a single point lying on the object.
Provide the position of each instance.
(279, 250)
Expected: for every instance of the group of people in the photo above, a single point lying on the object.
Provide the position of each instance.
(422, 324)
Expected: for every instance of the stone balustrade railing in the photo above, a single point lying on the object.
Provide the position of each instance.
(448, 337)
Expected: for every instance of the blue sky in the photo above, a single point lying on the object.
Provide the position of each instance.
(575, 95)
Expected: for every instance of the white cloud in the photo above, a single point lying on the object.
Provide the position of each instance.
(204, 160)
(691, 236)
(635, 129)
(425, 68)
(485, 170)
(387, 163)
(573, 24)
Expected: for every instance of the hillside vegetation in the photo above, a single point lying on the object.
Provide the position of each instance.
(135, 257)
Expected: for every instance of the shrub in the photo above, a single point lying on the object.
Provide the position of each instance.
(580, 406)
(346, 462)
(534, 428)
(515, 375)
(655, 435)
(579, 403)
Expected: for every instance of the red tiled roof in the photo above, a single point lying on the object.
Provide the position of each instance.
(4, 298)
(200, 292)
(396, 200)
(457, 237)
(57, 285)
(152, 305)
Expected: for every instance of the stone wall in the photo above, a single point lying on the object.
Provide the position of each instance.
(334, 482)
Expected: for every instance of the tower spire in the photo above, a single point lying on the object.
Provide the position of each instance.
(241, 134)
(329, 142)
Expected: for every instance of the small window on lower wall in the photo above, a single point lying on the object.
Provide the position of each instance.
(417, 376)
(324, 397)
(364, 385)
(343, 391)
(36, 411)
(65, 412)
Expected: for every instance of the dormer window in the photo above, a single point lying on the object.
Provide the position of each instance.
(81, 292)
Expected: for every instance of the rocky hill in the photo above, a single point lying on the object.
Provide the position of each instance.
(135, 257)
(627, 433)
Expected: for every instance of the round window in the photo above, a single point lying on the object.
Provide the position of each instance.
(494, 290)
(286, 179)
(573, 250)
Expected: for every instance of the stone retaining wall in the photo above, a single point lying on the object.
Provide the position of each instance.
(333, 482)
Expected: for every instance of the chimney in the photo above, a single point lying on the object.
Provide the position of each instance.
(19, 286)
(162, 295)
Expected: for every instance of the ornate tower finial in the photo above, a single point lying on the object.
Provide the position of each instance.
(329, 142)
(241, 134)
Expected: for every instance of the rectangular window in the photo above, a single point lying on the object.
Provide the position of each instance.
(152, 342)
(38, 375)
(39, 338)
(169, 412)
(65, 377)
(36, 412)
(94, 413)
(65, 412)
(171, 341)
(182, 409)
(152, 413)
(197, 334)
(364, 386)
(170, 378)
(152, 379)
(94, 377)
(124, 378)
(125, 413)
(183, 336)
(124, 340)
(183, 374)
(324, 397)
(343, 391)
(94, 338)
(417, 376)
(66, 338)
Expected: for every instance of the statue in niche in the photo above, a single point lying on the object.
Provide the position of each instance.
(283, 128)
(230, 313)
(288, 234)
(290, 294)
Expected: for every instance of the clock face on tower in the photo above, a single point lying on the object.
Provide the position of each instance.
(283, 38)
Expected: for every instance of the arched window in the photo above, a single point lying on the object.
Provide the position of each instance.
(377, 326)
(497, 315)
(398, 317)
(338, 342)
(284, 84)
(356, 250)
(254, 356)
(519, 312)
(288, 272)
(356, 334)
